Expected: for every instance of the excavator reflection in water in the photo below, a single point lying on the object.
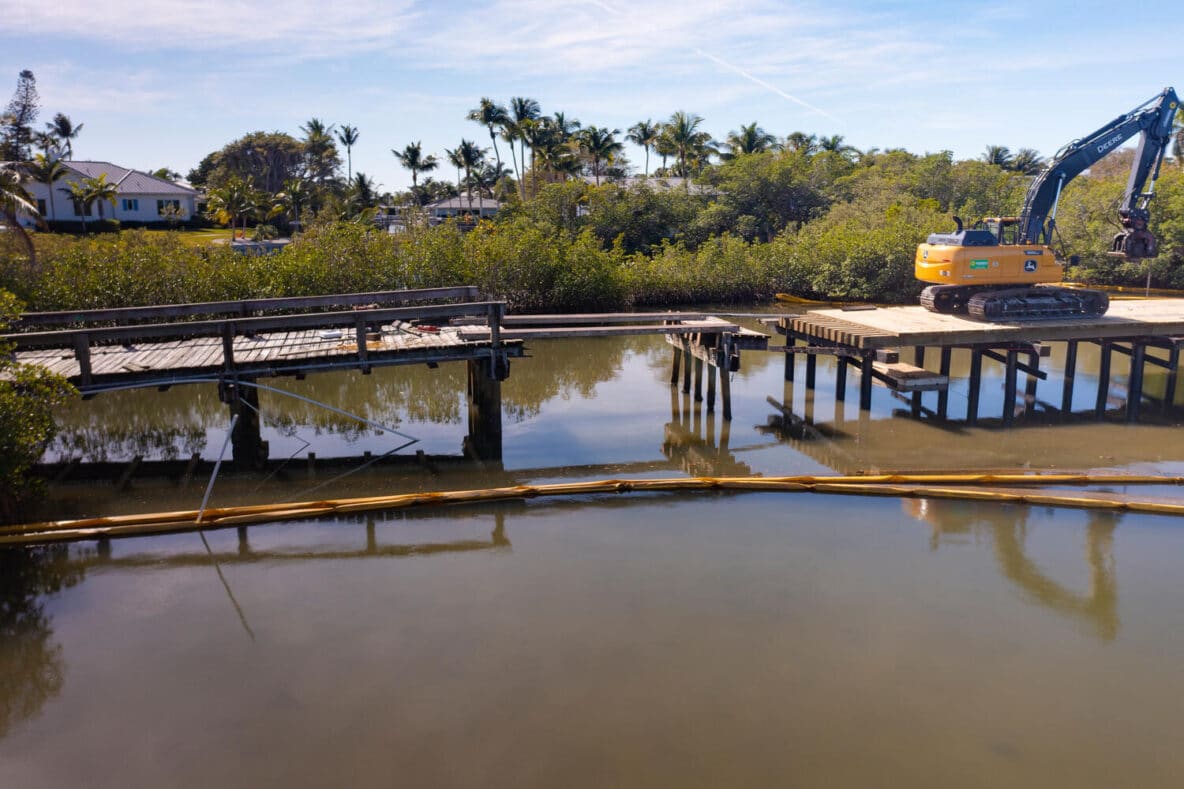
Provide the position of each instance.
(1007, 528)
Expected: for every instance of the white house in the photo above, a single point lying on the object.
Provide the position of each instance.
(479, 207)
(140, 197)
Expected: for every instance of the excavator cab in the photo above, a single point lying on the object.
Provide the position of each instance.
(1005, 229)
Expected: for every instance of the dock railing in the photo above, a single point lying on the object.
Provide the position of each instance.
(92, 328)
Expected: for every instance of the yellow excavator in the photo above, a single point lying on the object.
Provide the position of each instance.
(1003, 268)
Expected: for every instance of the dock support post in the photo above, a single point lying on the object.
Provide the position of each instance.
(687, 363)
(943, 395)
(976, 385)
(1009, 387)
(725, 372)
(865, 382)
(248, 449)
(790, 342)
(485, 411)
(675, 367)
(82, 354)
(1033, 381)
(1103, 379)
(840, 378)
(811, 370)
(698, 380)
(712, 371)
(1135, 385)
(1070, 376)
(919, 361)
(1169, 392)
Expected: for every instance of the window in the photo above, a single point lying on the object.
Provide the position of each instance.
(169, 205)
(131, 204)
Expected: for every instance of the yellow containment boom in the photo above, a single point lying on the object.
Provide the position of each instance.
(972, 487)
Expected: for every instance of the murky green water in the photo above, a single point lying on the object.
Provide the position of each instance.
(672, 640)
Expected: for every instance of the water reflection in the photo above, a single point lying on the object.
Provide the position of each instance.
(1006, 528)
(167, 425)
(691, 441)
(31, 665)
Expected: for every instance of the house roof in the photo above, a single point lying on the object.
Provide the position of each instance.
(462, 203)
(657, 183)
(128, 181)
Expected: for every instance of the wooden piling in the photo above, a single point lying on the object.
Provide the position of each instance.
(1169, 395)
(1103, 379)
(976, 383)
(919, 361)
(1009, 388)
(1070, 375)
(485, 410)
(865, 382)
(1135, 383)
(943, 395)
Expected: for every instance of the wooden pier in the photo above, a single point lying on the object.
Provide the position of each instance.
(235, 343)
(871, 339)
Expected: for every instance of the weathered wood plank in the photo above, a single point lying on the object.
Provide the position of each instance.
(891, 326)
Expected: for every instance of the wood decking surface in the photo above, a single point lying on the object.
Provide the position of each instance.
(279, 350)
(890, 327)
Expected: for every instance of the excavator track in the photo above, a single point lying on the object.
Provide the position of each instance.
(1036, 303)
(1032, 302)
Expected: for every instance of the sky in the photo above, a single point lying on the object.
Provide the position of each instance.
(159, 83)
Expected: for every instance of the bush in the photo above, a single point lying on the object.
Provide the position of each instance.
(28, 396)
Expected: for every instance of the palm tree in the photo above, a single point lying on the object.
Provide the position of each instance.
(524, 111)
(234, 200)
(489, 115)
(365, 191)
(601, 145)
(81, 200)
(1027, 161)
(348, 137)
(64, 131)
(835, 144)
(750, 139)
(999, 155)
(644, 133)
(562, 128)
(412, 158)
(15, 199)
(47, 170)
(538, 135)
(800, 141)
(99, 190)
(690, 144)
(292, 198)
(553, 154)
(453, 157)
(319, 150)
(469, 156)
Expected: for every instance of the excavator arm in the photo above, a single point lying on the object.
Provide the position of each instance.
(1153, 121)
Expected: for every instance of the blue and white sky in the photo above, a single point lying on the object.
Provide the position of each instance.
(160, 83)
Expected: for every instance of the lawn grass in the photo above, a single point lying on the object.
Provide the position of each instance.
(198, 238)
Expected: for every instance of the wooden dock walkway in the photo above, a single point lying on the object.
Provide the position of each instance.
(235, 343)
(870, 340)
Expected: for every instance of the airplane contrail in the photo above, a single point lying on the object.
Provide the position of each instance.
(736, 69)
(758, 81)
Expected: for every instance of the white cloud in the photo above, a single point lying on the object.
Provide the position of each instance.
(307, 27)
